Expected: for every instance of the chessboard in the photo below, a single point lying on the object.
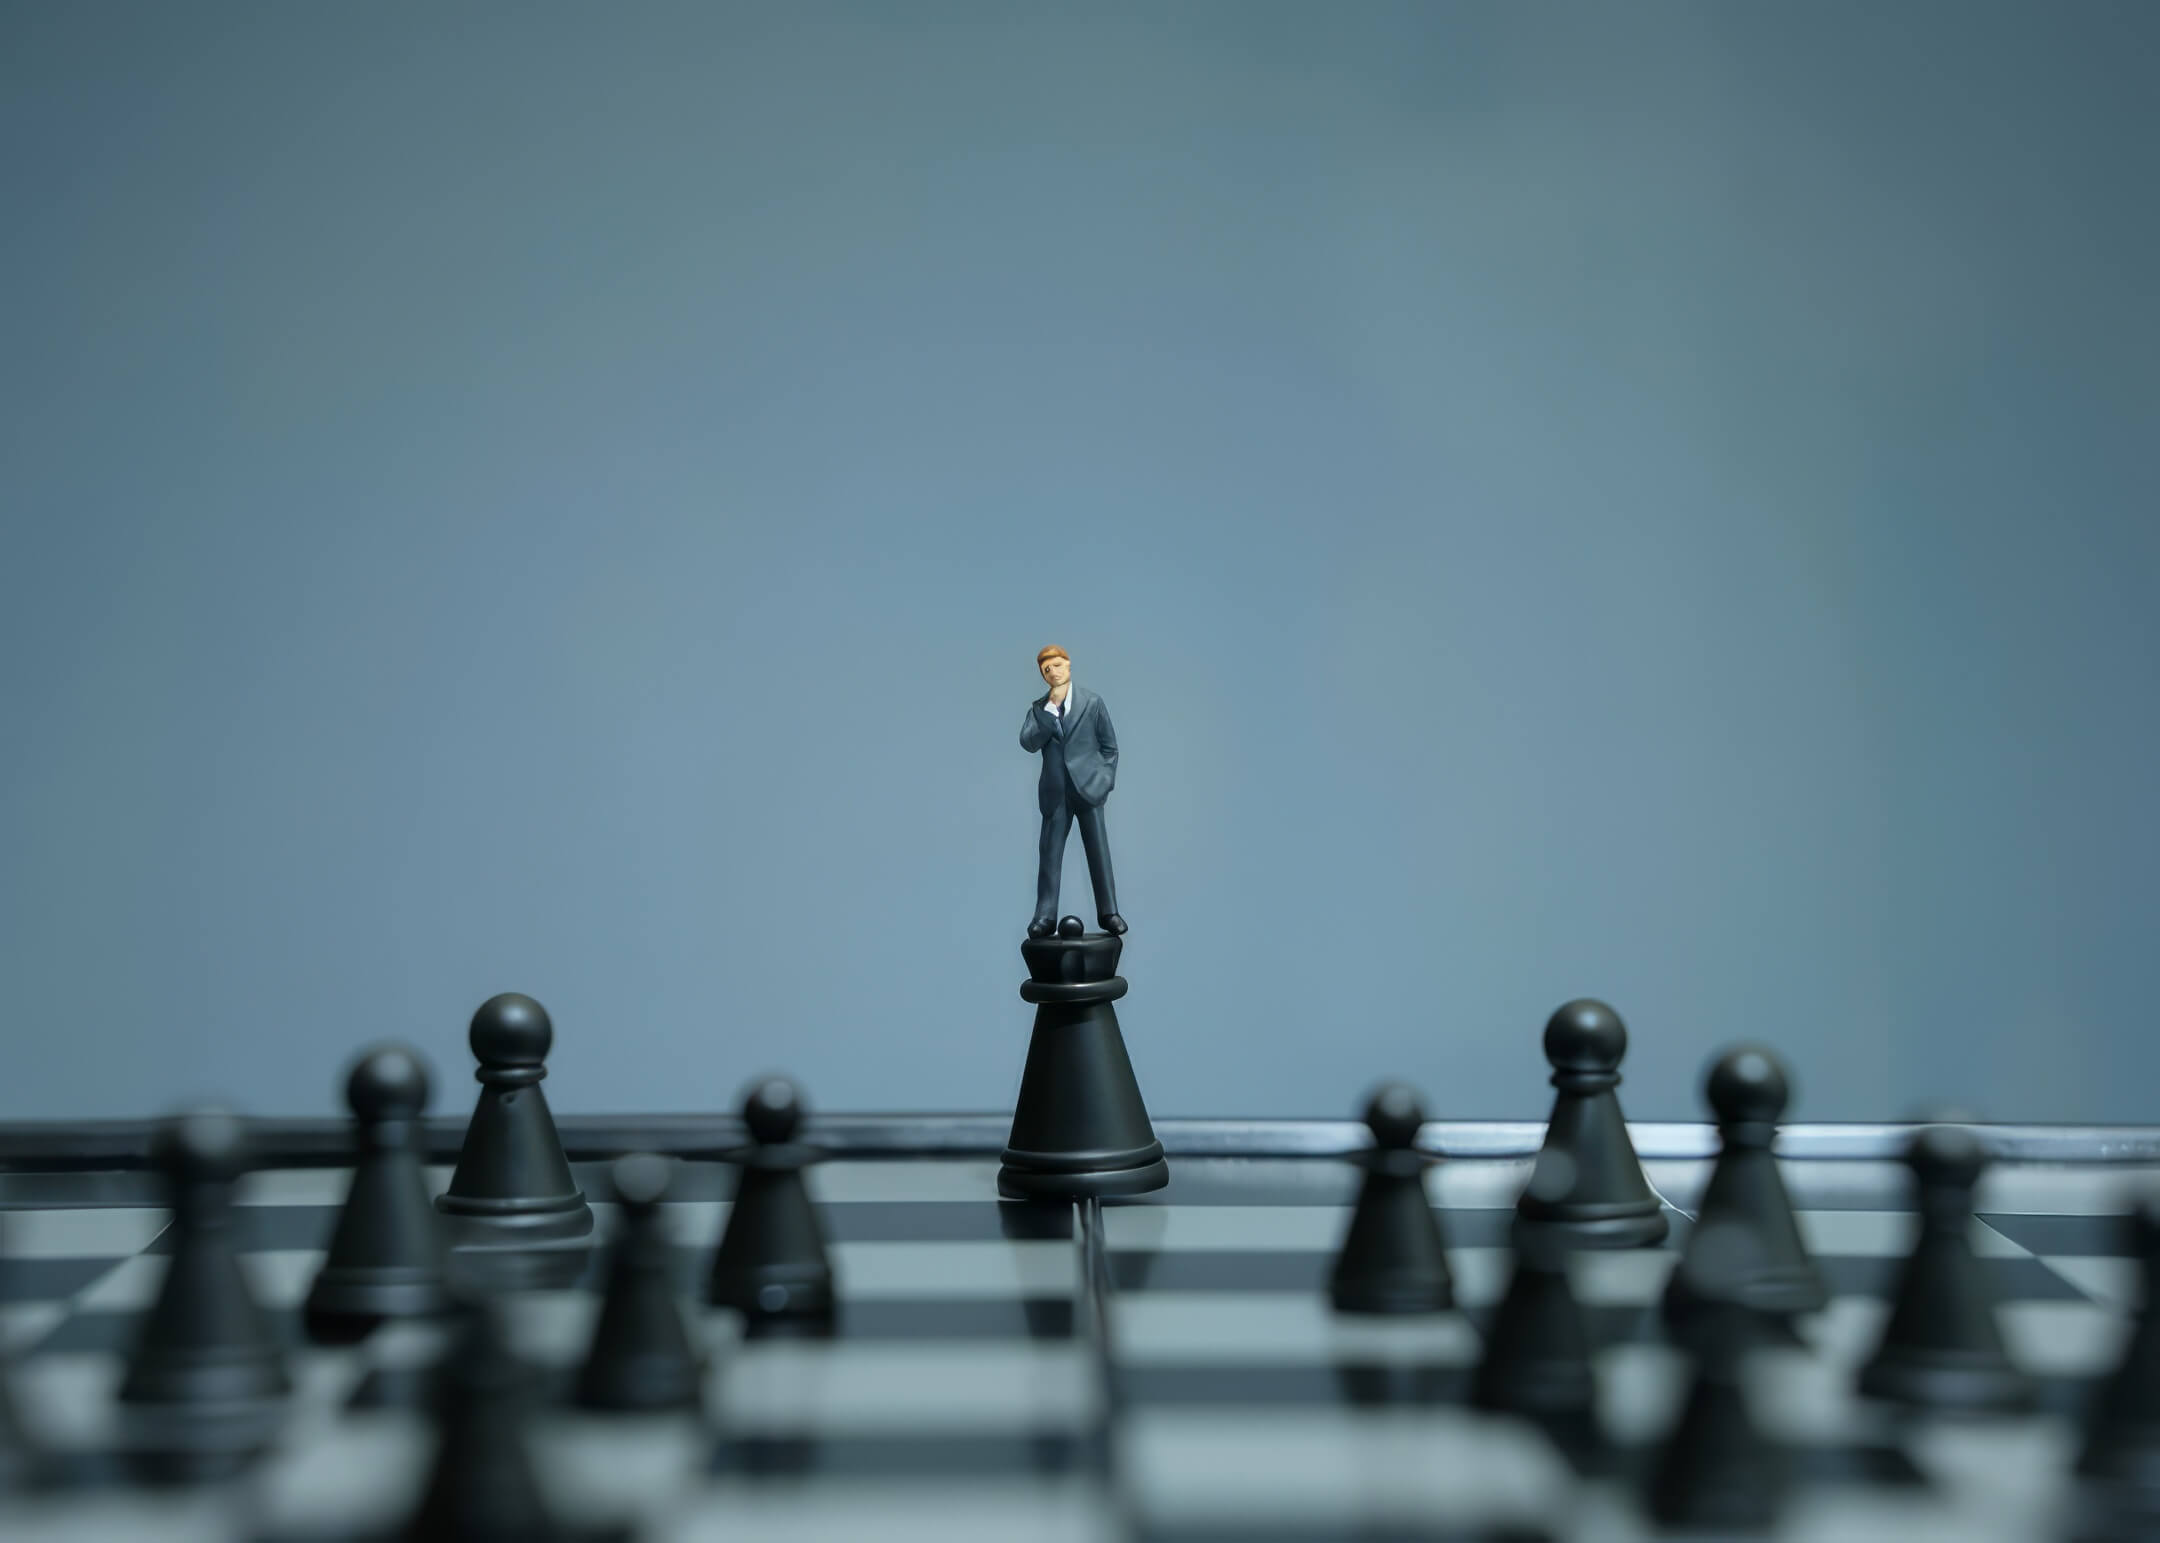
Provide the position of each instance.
(1165, 1367)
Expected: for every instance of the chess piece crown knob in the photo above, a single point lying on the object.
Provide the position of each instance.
(389, 1082)
(1747, 1091)
(202, 1146)
(1584, 1043)
(773, 1111)
(511, 1035)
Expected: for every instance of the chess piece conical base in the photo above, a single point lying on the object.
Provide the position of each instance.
(772, 1261)
(1716, 1471)
(512, 1185)
(1537, 1351)
(1392, 1259)
(1587, 1189)
(1080, 1127)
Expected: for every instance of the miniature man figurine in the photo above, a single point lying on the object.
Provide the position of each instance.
(1071, 727)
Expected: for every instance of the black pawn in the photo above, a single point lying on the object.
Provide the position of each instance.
(1588, 1184)
(641, 1356)
(388, 1256)
(481, 1488)
(2122, 1429)
(1716, 1470)
(1537, 1348)
(512, 1184)
(772, 1261)
(1392, 1258)
(1942, 1348)
(207, 1378)
(1080, 1128)
(20, 1460)
(1747, 1092)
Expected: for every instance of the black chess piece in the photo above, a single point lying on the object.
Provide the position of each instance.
(481, 1487)
(1537, 1348)
(772, 1261)
(1942, 1348)
(2122, 1428)
(512, 1184)
(1747, 1091)
(1080, 1128)
(1716, 1470)
(206, 1382)
(1588, 1184)
(389, 1256)
(641, 1356)
(1392, 1258)
(20, 1459)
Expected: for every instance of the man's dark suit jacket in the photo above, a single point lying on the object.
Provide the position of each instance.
(1088, 746)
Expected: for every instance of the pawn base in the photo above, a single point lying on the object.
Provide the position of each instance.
(1036, 1176)
(1641, 1229)
(513, 1224)
(1948, 1382)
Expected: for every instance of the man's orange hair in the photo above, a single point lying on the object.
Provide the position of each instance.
(1052, 652)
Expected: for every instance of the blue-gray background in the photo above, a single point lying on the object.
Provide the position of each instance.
(1644, 501)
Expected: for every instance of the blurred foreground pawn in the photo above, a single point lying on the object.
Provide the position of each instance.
(1079, 1127)
(1392, 1259)
(1942, 1348)
(481, 1488)
(206, 1383)
(641, 1356)
(772, 1261)
(1537, 1350)
(19, 1457)
(388, 1255)
(2122, 1428)
(1747, 1091)
(1588, 1184)
(1717, 1472)
(512, 1185)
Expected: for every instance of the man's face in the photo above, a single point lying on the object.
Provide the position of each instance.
(1056, 671)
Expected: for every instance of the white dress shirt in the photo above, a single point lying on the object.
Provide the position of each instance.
(1057, 709)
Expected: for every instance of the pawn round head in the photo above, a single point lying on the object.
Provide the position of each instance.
(511, 1030)
(387, 1082)
(773, 1109)
(641, 1180)
(1394, 1115)
(202, 1145)
(1585, 1036)
(1071, 927)
(1948, 1155)
(1746, 1085)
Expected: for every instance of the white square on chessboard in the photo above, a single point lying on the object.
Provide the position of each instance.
(23, 1324)
(773, 1510)
(2113, 1281)
(279, 1278)
(67, 1397)
(614, 1469)
(361, 1471)
(998, 1268)
(114, 1231)
(293, 1186)
(1276, 1328)
(933, 1179)
(1340, 1467)
(2035, 1189)
(1477, 1184)
(1257, 1228)
(1888, 1235)
(210, 1517)
(773, 1387)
